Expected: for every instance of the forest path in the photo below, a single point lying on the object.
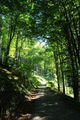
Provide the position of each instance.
(54, 106)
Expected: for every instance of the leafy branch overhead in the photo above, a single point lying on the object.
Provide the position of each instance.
(39, 45)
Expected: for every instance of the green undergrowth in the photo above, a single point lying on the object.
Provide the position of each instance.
(38, 80)
(13, 89)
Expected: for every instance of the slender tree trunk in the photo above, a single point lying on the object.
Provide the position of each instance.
(57, 70)
(12, 28)
(16, 51)
(0, 50)
(67, 16)
(74, 68)
(8, 49)
(62, 73)
(0, 40)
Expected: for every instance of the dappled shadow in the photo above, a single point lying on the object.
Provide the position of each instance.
(22, 106)
(46, 105)
(14, 105)
(54, 106)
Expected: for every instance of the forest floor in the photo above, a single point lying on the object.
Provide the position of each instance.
(14, 105)
(42, 104)
(51, 105)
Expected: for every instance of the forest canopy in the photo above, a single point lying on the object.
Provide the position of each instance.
(40, 44)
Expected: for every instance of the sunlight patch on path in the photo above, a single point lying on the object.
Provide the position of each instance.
(38, 118)
(24, 117)
(40, 94)
(40, 87)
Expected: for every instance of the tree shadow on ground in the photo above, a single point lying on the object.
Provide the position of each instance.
(54, 106)
(14, 105)
(21, 107)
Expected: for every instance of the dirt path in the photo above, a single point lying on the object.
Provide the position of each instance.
(52, 106)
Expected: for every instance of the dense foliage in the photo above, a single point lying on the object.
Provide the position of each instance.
(40, 44)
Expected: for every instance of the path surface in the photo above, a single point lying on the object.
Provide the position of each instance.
(51, 106)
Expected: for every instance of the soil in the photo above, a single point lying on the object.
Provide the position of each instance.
(51, 105)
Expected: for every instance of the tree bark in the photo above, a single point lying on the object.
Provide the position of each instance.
(57, 70)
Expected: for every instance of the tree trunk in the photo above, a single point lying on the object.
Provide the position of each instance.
(73, 64)
(57, 70)
(62, 73)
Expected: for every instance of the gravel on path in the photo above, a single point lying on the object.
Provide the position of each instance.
(51, 105)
